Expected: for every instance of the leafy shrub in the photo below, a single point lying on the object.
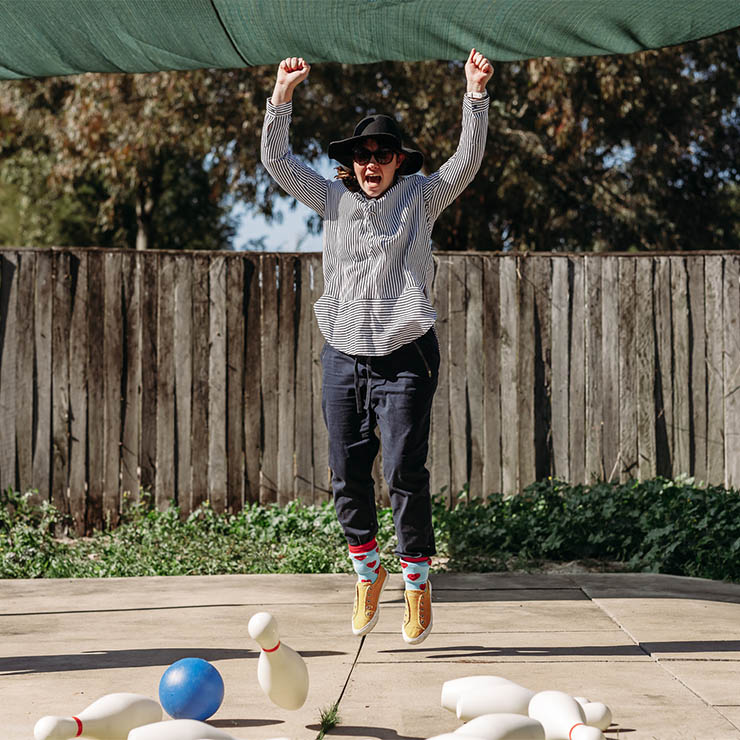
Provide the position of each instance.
(657, 525)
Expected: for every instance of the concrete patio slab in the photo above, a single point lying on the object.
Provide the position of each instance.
(662, 651)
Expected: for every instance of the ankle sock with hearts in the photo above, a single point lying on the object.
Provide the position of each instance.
(365, 560)
(415, 573)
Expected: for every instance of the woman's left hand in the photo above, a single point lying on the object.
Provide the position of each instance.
(478, 70)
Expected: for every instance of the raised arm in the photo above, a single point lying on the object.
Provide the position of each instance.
(444, 185)
(296, 178)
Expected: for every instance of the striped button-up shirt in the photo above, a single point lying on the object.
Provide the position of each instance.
(377, 255)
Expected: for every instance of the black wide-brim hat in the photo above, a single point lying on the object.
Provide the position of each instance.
(382, 129)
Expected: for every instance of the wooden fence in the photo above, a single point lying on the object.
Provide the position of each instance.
(197, 374)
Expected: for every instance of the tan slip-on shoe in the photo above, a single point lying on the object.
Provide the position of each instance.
(367, 598)
(417, 616)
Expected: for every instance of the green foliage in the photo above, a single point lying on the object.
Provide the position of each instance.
(659, 525)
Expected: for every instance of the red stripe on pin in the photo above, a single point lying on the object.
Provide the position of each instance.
(79, 726)
(570, 732)
(272, 650)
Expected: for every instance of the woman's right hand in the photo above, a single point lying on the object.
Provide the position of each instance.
(291, 72)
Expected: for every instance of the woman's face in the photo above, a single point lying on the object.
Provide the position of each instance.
(375, 178)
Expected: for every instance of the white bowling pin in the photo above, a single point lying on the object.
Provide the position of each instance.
(494, 698)
(504, 726)
(562, 717)
(453, 689)
(179, 729)
(109, 718)
(597, 714)
(452, 736)
(281, 672)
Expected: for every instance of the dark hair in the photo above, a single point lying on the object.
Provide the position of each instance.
(347, 176)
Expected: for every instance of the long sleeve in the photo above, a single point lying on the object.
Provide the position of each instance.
(299, 180)
(443, 186)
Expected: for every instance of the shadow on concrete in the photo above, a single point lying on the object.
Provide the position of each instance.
(116, 611)
(244, 722)
(106, 659)
(382, 733)
(643, 649)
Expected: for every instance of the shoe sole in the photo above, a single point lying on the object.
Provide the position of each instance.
(369, 626)
(423, 636)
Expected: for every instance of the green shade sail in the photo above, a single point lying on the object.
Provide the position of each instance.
(40, 38)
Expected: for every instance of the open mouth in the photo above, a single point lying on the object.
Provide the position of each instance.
(373, 179)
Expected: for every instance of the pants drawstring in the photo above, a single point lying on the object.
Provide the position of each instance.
(358, 394)
(358, 401)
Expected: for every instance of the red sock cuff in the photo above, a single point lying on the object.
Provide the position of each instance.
(363, 548)
(417, 560)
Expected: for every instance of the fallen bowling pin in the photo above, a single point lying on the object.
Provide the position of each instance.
(597, 714)
(281, 672)
(504, 726)
(562, 717)
(453, 736)
(453, 689)
(109, 718)
(494, 698)
(179, 729)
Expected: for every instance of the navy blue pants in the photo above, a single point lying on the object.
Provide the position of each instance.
(394, 393)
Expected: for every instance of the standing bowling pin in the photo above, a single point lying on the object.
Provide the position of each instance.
(109, 718)
(495, 698)
(502, 727)
(562, 717)
(281, 672)
(179, 729)
(453, 689)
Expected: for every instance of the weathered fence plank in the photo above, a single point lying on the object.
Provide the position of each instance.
(457, 380)
(131, 402)
(78, 343)
(474, 372)
(681, 371)
(112, 375)
(664, 362)
(24, 331)
(217, 467)
(303, 400)
(560, 323)
(165, 474)
(698, 351)
(199, 375)
(490, 349)
(61, 316)
(8, 354)
(270, 380)
(594, 372)
(645, 356)
(509, 374)
(286, 351)
(439, 467)
(252, 378)
(732, 370)
(321, 471)
(183, 344)
(610, 366)
(96, 391)
(628, 385)
(200, 423)
(235, 322)
(577, 384)
(44, 296)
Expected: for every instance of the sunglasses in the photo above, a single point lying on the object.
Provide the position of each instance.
(362, 156)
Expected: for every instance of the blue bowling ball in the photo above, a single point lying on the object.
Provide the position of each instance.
(191, 688)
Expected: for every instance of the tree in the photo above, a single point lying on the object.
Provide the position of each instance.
(620, 153)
